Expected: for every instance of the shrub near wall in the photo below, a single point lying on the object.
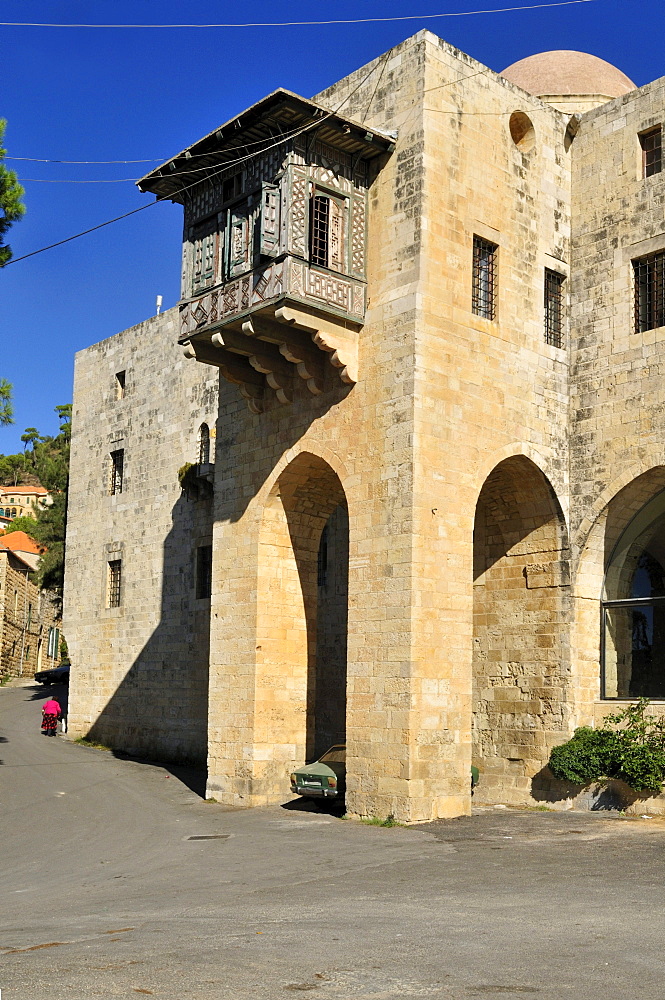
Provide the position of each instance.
(629, 747)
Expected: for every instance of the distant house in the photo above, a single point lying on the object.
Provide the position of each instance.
(29, 618)
(23, 501)
(22, 545)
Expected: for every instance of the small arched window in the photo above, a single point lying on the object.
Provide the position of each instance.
(13, 511)
(204, 444)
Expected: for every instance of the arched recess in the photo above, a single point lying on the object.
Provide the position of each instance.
(520, 656)
(599, 538)
(203, 445)
(300, 698)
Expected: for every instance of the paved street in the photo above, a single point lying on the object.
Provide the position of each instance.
(105, 894)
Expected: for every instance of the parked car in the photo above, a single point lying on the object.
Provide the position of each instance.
(56, 675)
(325, 778)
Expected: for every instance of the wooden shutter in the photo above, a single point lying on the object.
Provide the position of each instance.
(239, 240)
(205, 255)
(336, 241)
(269, 221)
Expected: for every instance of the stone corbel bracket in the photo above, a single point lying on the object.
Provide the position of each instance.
(270, 348)
(336, 340)
(250, 382)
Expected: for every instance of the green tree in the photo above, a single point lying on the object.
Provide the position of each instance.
(50, 464)
(6, 407)
(11, 206)
(30, 437)
(11, 470)
(27, 524)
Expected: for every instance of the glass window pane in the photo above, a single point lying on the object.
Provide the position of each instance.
(635, 651)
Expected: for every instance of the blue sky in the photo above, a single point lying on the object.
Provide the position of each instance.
(133, 94)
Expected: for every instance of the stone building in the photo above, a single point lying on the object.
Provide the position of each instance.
(434, 298)
(29, 618)
(23, 501)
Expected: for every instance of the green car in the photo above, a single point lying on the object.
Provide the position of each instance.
(325, 778)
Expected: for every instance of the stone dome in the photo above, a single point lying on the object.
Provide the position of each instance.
(566, 73)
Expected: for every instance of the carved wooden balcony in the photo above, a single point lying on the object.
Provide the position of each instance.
(274, 285)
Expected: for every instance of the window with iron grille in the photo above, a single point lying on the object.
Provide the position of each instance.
(652, 159)
(484, 277)
(115, 581)
(554, 308)
(327, 232)
(117, 471)
(204, 571)
(649, 275)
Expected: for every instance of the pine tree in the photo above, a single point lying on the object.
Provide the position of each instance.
(11, 206)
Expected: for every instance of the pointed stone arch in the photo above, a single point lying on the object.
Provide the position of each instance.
(596, 538)
(521, 609)
(301, 628)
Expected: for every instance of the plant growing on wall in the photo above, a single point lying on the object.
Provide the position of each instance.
(191, 483)
(630, 746)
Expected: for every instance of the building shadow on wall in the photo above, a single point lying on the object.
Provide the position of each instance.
(158, 712)
(599, 796)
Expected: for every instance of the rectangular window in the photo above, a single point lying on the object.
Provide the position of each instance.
(120, 385)
(326, 232)
(117, 471)
(651, 143)
(204, 571)
(53, 642)
(484, 277)
(115, 580)
(554, 308)
(649, 275)
(231, 187)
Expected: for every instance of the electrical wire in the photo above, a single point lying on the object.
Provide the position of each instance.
(57, 180)
(301, 24)
(225, 166)
(37, 159)
(163, 159)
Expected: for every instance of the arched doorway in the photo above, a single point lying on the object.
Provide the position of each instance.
(520, 657)
(300, 697)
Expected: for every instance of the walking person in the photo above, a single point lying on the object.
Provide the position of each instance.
(51, 712)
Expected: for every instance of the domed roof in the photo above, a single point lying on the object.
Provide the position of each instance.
(565, 72)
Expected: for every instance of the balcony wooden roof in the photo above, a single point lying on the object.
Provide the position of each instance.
(280, 115)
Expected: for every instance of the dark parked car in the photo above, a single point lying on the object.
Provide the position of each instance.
(56, 675)
(325, 778)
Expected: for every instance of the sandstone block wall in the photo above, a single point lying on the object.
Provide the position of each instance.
(140, 670)
(26, 616)
(617, 420)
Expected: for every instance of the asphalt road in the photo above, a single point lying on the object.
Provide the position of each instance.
(103, 893)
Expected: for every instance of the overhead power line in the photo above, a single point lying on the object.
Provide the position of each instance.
(38, 159)
(187, 187)
(57, 180)
(302, 24)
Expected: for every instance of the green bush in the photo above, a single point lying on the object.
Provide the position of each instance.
(630, 745)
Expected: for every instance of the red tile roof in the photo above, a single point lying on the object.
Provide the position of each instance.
(29, 490)
(18, 541)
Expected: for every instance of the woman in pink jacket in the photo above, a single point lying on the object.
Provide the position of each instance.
(51, 712)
